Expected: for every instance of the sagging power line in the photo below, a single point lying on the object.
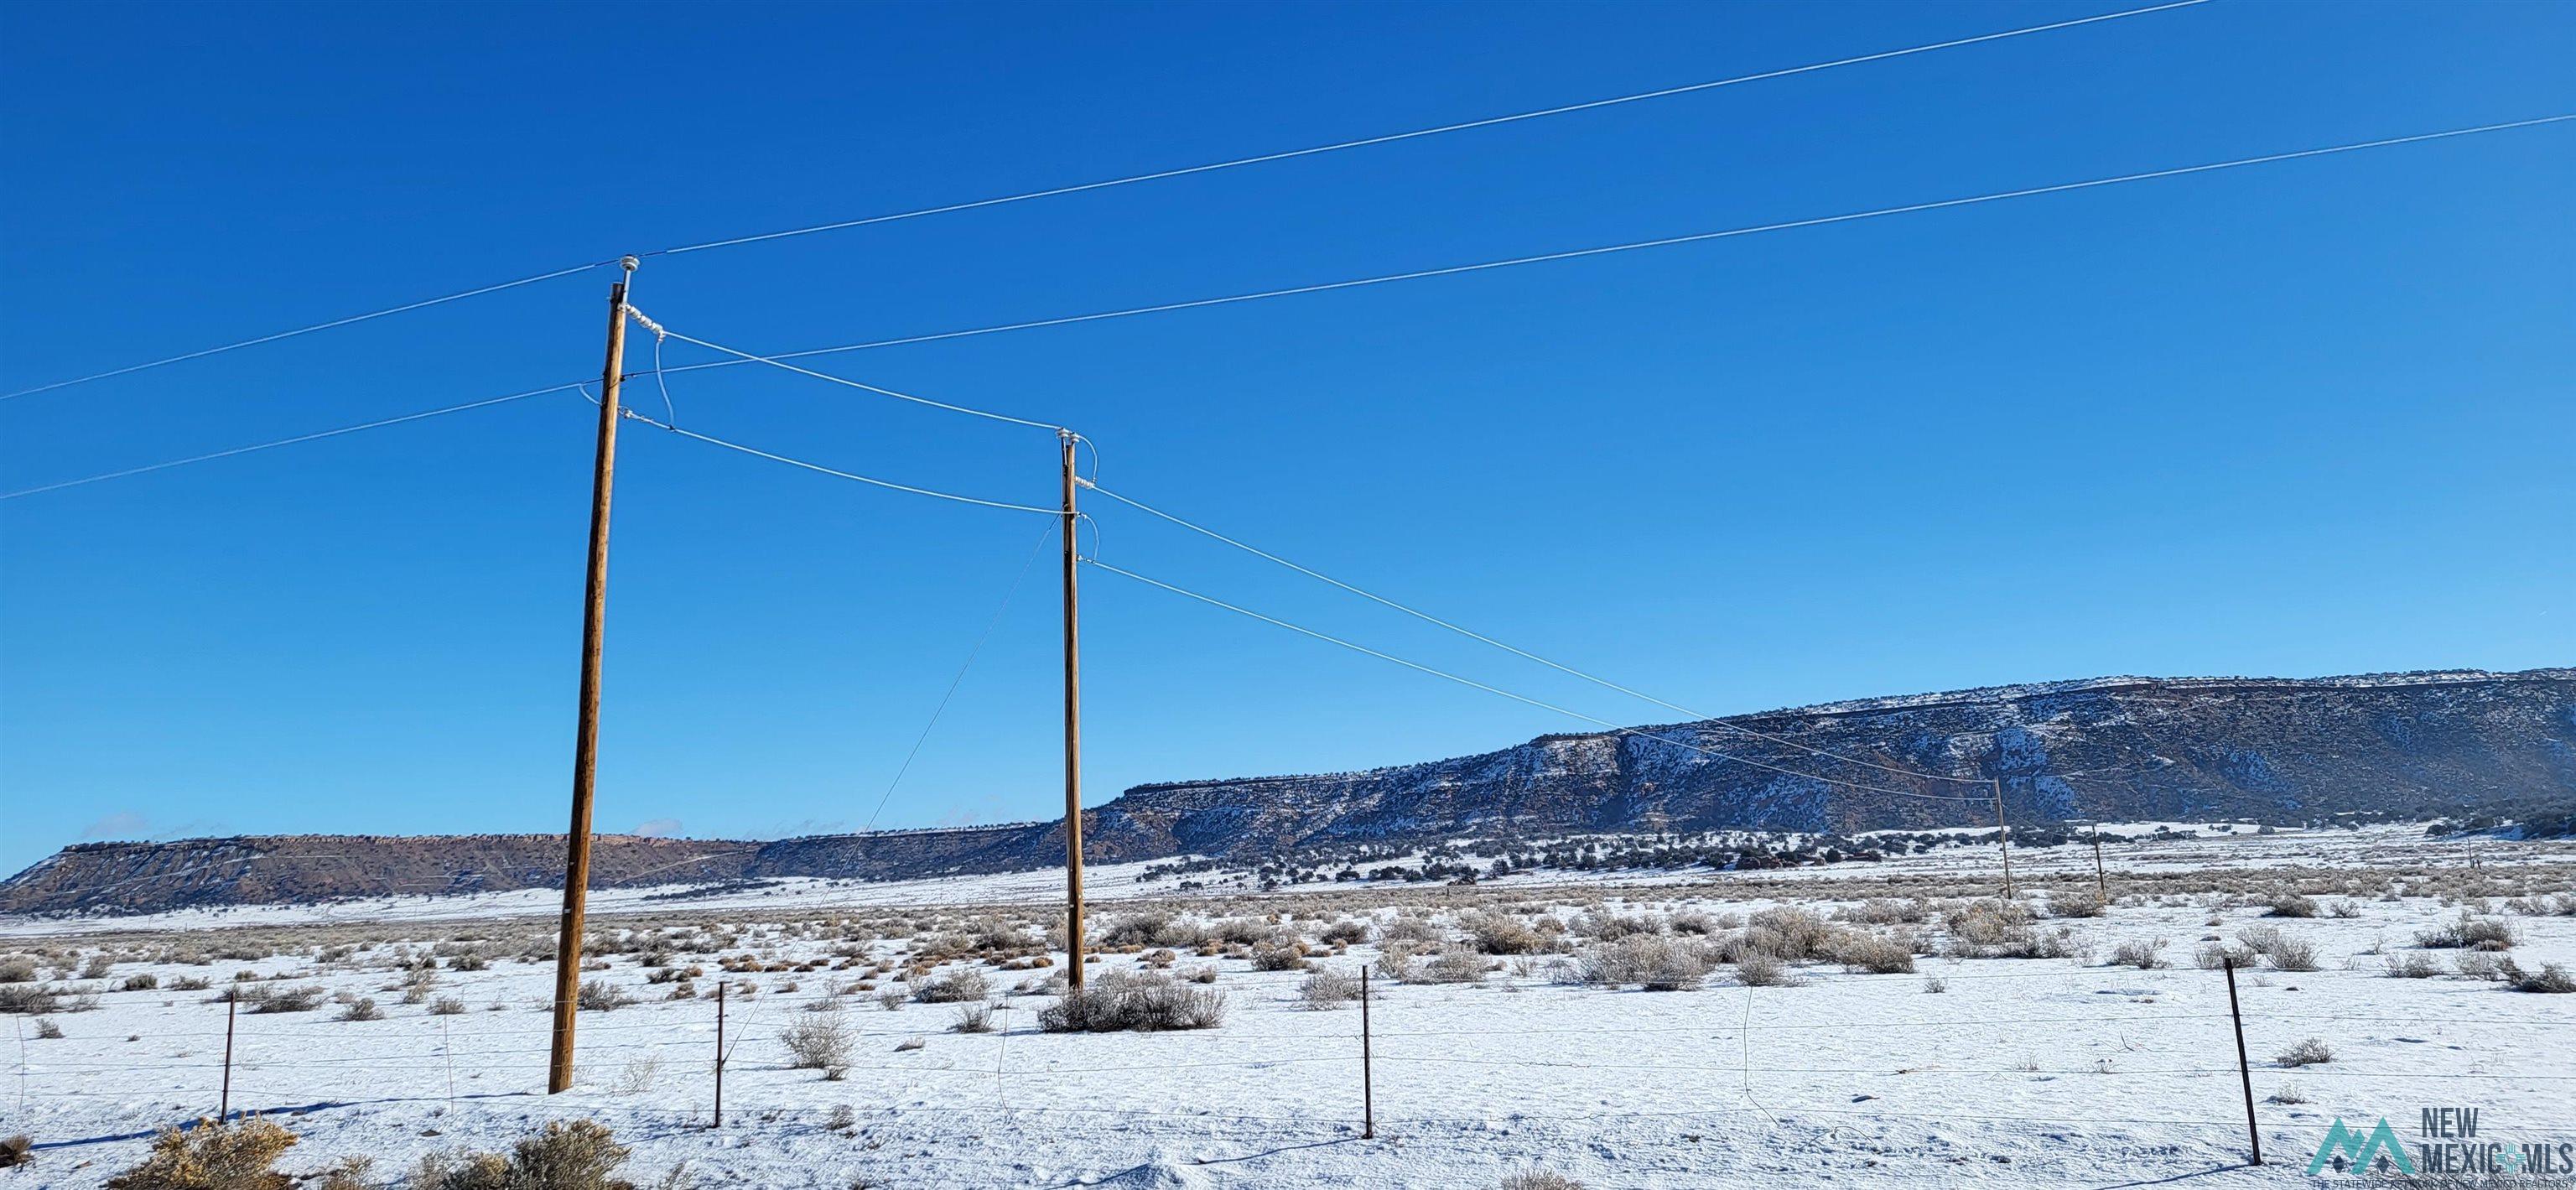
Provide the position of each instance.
(1132, 179)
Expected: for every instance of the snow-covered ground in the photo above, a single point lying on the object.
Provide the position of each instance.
(2040, 1071)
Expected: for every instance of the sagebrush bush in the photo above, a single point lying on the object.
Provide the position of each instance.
(2295, 954)
(2414, 964)
(1454, 964)
(26, 998)
(2310, 1052)
(1325, 987)
(1653, 962)
(954, 987)
(17, 1150)
(816, 1042)
(2141, 953)
(1143, 1002)
(272, 998)
(2290, 904)
(17, 969)
(1538, 1179)
(1760, 969)
(1876, 955)
(2468, 932)
(575, 1155)
(973, 1018)
(2551, 978)
(599, 995)
(212, 1156)
(1502, 933)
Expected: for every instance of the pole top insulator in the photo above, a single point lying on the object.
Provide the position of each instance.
(628, 263)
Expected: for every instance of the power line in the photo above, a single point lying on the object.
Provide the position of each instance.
(1113, 182)
(837, 474)
(243, 450)
(778, 359)
(306, 330)
(749, 358)
(1516, 651)
(1664, 242)
(1615, 728)
(1418, 133)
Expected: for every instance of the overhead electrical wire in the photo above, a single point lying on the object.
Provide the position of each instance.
(1615, 728)
(243, 450)
(1640, 245)
(1516, 651)
(778, 359)
(852, 476)
(1132, 179)
(749, 358)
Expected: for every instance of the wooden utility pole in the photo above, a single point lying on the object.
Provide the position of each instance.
(2101, 884)
(1072, 733)
(585, 748)
(2003, 835)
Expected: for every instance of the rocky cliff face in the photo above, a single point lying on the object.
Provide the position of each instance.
(2111, 748)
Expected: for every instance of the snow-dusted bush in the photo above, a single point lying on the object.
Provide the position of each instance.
(579, 1155)
(1885, 911)
(2310, 1052)
(362, 1009)
(1143, 1002)
(2143, 954)
(1610, 927)
(2551, 978)
(973, 1018)
(599, 995)
(1757, 969)
(1327, 988)
(2414, 964)
(212, 1156)
(2290, 904)
(2075, 903)
(1346, 932)
(1278, 958)
(1502, 933)
(1538, 1179)
(954, 987)
(17, 968)
(1992, 929)
(1793, 934)
(1454, 964)
(271, 998)
(26, 998)
(816, 1042)
(1869, 952)
(2295, 954)
(1409, 929)
(2468, 932)
(1650, 961)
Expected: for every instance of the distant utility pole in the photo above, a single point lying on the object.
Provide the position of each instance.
(585, 748)
(2003, 835)
(1072, 733)
(2101, 884)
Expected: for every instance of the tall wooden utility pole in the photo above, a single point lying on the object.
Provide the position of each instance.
(1072, 733)
(2003, 835)
(585, 748)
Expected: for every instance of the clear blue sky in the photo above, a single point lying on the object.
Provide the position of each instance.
(2304, 419)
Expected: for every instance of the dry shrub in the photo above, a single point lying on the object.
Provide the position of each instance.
(17, 969)
(1344, 933)
(362, 1009)
(1409, 929)
(1649, 961)
(1876, 955)
(1454, 964)
(2295, 954)
(270, 998)
(2310, 1052)
(575, 1155)
(2290, 904)
(2469, 932)
(2551, 978)
(1142, 1002)
(26, 998)
(1501, 933)
(1327, 988)
(954, 987)
(1278, 958)
(2078, 903)
(17, 1150)
(212, 1156)
(1885, 911)
(2143, 954)
(817, 1041)
(1795, 933)
(2414, 964)
(1992, 929)
(599, 995)
(1611, 927)
(1758, 969)
(1538, 1179)
(973, 1018)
